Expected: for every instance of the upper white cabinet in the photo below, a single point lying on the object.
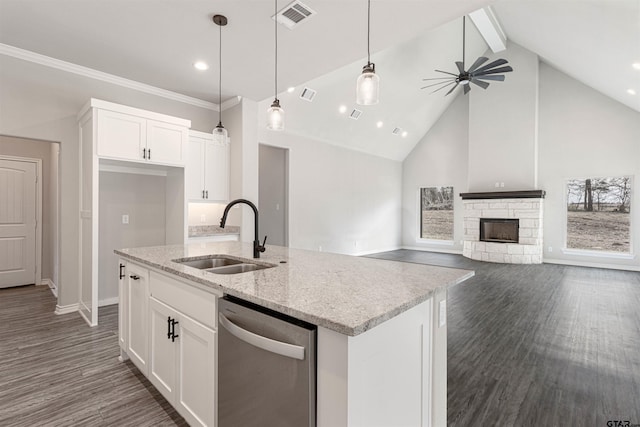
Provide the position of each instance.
(207, 168)
(130, 134)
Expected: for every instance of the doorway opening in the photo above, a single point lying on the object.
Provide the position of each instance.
(273, 194)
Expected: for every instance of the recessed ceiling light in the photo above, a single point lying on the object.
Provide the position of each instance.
(291, 89)
(379, 124)
(631, 91)
(200, 65)
(636, 65)
(342, 109)
(404, 134)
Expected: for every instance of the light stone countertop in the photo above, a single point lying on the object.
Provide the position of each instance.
(346, 294)
(212, 230)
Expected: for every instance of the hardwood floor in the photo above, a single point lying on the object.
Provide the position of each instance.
(56, 371)
(542, 345)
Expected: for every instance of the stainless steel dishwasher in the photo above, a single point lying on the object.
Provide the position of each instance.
(266, 367)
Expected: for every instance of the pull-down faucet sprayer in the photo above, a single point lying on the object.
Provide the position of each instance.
(257, 247)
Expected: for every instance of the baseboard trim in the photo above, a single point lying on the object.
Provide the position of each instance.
(108, 301)
(591, 264)
(66, 309)
(52, 286)
(442, 251)
(394, 248)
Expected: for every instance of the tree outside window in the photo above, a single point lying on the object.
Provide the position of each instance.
(598, 214)
(436, 213)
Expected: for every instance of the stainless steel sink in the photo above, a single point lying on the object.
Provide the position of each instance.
(237, 268)
(207, 263)
(221, 264)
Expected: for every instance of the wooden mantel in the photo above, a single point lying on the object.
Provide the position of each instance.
(525, 194)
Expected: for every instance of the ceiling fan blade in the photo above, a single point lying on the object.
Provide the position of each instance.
(499, 78)
(467, 88)
(482, 84)
(492, 64)
(478, 63)
(446, 72)
(448, 84)
(436, 84)
(452, 89)
(494, 71)
(439, 78)
(460, 66)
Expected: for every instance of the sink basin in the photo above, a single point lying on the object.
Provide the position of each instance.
(207, 263)
(221, 264)
(237, 268)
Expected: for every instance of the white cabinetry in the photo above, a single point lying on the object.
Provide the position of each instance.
(130, 134)
(122, 308)
(181, 344)
(137, 330)
(207, 168)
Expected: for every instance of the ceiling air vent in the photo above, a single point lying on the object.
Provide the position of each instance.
(294, 14)
(396, 131)
(308, 94)
(355, 114)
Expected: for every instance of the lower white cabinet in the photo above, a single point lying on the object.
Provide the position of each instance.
(136, 303)
(122, 305)
(168, 330)
(182, 364)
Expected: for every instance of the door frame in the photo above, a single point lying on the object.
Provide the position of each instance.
(38, 254)
(287, 171)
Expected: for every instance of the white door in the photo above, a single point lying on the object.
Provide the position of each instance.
(166, 143)
(17, 223)
(164, 349)
(137, 316)
(216, 171)
(194, 170)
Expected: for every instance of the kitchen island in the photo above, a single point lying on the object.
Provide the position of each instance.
(381, 340)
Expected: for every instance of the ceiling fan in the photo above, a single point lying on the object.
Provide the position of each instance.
(476, 74)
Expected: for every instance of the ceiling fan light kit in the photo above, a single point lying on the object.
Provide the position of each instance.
(219, 132)
(476, 74)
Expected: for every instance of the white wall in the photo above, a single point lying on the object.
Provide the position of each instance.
(42, 103)
(583, 134)
(439, 159)
(341, 200)
(503, 122)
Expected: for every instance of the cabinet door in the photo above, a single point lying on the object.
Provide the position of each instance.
(121, 136)
(196, 400)
(164, 350)
(166, 143)
(194, 168)
(216, 170)
(138, 315)
(122, 304)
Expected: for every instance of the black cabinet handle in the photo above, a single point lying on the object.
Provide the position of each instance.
(134, 277)
(121, 274)
(168, 327)
(207, 194)
(149, 154)
(144, 153)
(173, 330)
(203, 194)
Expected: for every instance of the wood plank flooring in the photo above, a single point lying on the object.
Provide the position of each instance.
(56, 371)
(542, 345)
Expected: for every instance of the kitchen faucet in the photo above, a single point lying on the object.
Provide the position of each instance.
(257, 247)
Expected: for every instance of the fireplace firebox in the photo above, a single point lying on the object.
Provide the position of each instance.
(500, 230)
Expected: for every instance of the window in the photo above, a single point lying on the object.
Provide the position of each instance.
(436, 213)
(598, 217)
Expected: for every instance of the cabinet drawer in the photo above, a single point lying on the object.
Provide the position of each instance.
(193, 302)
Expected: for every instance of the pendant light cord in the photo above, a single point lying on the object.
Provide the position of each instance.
(220, 77)
(275, 20)
(368, 32)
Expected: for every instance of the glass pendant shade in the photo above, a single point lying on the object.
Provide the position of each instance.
(220, 133)
(275, 116)
(367, 86)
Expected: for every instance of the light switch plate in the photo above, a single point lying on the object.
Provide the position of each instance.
(125, 219)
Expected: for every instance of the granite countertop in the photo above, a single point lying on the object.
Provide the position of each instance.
(346, 294)
(212, 230)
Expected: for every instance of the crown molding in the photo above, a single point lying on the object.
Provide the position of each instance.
(80, 70)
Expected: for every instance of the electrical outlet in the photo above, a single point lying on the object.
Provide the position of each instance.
(277, 206)
(125, 219)
(550, 248)
(203, 218)
(502, 184)
(497, 184)
(319, 248)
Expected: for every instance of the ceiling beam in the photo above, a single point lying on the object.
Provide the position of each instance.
(487, 24)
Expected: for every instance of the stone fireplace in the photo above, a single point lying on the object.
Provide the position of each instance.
(503, 226)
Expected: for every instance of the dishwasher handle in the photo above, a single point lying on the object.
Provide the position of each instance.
(273, 346)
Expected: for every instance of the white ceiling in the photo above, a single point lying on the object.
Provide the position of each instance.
(156, 41)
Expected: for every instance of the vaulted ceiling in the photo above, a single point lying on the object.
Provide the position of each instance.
(156, 41)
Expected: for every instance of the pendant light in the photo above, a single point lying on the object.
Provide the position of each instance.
(219, 132)
(368, 84)
(275, 113)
